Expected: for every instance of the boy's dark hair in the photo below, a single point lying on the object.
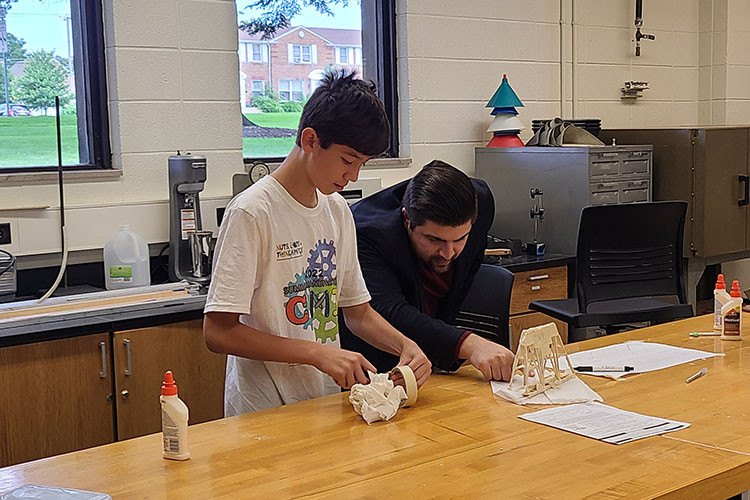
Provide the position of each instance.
(442, 194)
(346, 110)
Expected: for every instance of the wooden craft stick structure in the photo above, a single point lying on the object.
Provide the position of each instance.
(539, 351)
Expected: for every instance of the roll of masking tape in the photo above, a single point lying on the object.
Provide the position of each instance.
(410, 381)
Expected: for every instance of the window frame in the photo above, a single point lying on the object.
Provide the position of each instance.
(252, 89)
(252, 53)
(342, 50)
(379, 47)
(90, 71)
(301, 58)
(291, 91)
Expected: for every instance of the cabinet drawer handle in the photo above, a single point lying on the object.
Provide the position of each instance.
(536, 287)
(103, 347)
(129, 369)
(540, 277)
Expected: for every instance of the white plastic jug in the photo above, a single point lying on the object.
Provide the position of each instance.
(126, 263)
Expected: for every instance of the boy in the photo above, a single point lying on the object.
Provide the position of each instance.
(286, 261)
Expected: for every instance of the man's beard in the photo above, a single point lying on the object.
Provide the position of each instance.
(440, 265)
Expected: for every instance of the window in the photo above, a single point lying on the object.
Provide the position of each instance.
(301, 54)
(41, 64)
(291, 90)
(349, 56)
(295, 69)
(257, 51)
(258, 87)
(343, 55)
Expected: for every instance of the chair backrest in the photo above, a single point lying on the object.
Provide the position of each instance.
(486, 308)
(630, 250)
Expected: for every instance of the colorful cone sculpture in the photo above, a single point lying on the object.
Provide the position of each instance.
(506, 126)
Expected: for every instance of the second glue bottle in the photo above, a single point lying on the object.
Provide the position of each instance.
(174, 421)
(721, 297)
(731, 314)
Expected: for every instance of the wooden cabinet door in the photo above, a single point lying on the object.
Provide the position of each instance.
(541, 284)
(55, 397)
(723, 221)
(521, 322)
(141, 358)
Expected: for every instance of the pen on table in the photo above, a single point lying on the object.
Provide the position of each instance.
(604, 368)
(705, 334)
(702, 372)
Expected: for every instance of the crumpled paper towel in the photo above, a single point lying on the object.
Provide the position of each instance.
(378, 400)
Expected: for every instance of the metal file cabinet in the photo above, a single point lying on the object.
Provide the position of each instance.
(570, 178)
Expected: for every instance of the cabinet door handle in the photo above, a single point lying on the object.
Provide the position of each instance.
(129, 368)
(103, 347)
(744, 201)
(539, 277)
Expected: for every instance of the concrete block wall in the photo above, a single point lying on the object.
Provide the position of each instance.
(173, 84)
(453, 58)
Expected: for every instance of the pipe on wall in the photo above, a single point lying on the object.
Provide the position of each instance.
(562, 58)
(574, 59)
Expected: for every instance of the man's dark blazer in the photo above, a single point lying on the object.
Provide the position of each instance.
(391, 271)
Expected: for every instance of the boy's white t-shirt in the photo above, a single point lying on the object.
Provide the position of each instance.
(286, 269)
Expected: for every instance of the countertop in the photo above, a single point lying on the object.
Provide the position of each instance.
(519, 263)
(58, 317)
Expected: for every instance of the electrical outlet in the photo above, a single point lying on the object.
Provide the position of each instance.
(5, 233)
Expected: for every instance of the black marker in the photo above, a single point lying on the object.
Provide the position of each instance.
(604, 368)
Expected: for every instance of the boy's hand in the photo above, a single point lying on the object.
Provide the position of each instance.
(346, 368)
(413, 357)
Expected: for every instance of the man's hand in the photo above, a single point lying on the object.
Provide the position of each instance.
(493, 360)
(346, 368)
(413, 357)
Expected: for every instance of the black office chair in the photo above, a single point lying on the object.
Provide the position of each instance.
(627, 255)
(486, 308)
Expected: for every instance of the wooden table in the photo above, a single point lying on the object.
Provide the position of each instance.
(459, 441)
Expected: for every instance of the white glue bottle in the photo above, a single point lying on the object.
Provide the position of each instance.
(721, 297)
(731, 314)
(174, 421)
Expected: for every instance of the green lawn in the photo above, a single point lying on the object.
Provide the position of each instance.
(258, 147)
(30, 140)
(280, 120)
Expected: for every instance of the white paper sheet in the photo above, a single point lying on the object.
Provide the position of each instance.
(573, 390)
(602, 422)
(642, 356)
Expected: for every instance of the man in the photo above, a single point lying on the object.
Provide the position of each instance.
(420, 244)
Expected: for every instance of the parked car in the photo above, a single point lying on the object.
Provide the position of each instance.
(15, 110)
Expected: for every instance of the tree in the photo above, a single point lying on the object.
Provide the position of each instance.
(12, 88)
(16, 52)
(44, 77)
(278, 14)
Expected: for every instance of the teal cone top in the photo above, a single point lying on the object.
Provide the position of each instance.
(504, 96)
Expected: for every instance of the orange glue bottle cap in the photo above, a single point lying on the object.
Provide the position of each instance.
(168, 387)
(735, 289)
(720, 283)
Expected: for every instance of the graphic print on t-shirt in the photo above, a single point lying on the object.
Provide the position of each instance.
(312, 295)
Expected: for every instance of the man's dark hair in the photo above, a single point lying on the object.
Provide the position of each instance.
(442, 194)
(346, 110)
